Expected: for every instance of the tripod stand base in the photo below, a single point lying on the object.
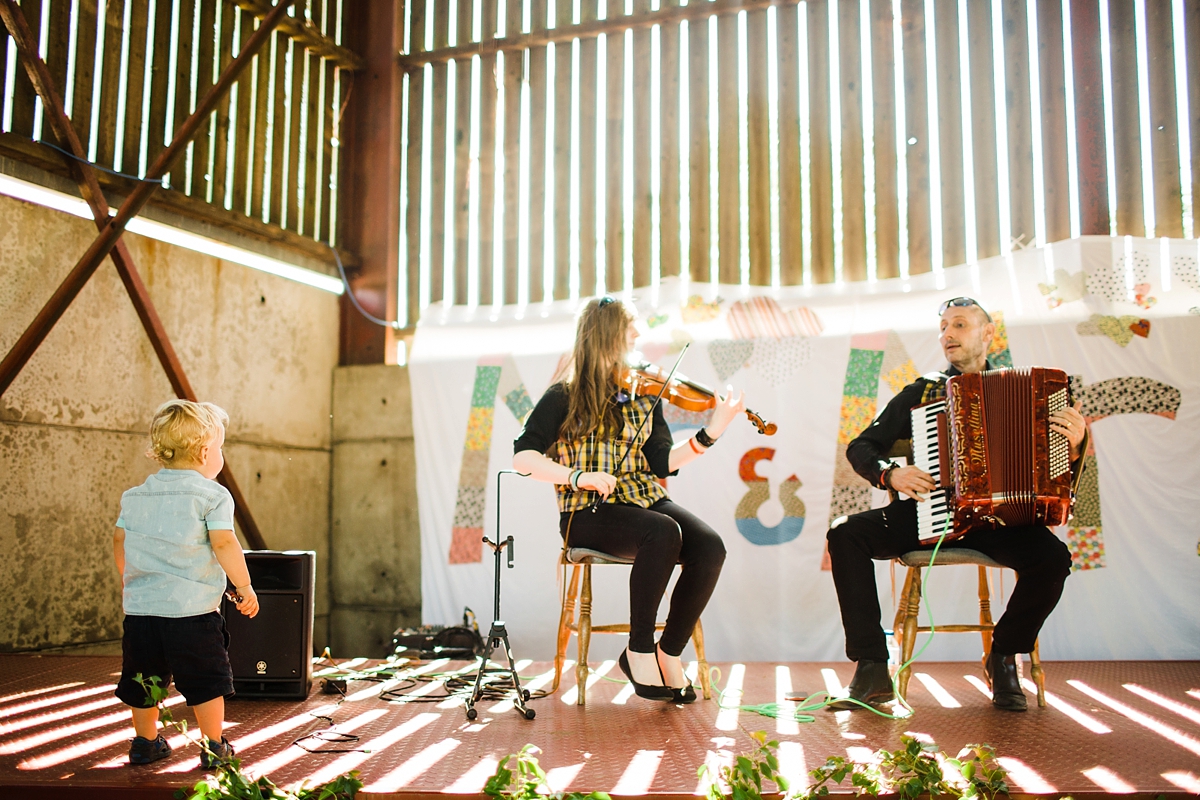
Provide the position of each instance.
(498, 637)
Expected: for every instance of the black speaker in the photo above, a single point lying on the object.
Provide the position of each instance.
(271, 654)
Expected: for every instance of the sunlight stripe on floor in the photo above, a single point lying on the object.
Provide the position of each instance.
(473, 780)
(1186, 712)
(939, 692)
(9, 698)
(727, 717)
(1024, 776)
(533, 685)
(289, 753)
(46, 702)
(1145, 720)
(1054, 701)
(373, 748)
(572, 694)
(67, 731)
(414, 768)
(639, 773)
(560, 778)
(56, 716)
(1108, 780)
(786, 722)
(1184, 780)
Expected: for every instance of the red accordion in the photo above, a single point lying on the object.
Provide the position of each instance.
(992, 453)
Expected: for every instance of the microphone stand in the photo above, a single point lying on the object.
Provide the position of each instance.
(498, 634)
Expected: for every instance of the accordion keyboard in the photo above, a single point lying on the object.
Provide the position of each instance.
(1060, 448)
(933, 516)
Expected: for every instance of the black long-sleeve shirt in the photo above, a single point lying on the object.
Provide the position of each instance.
(868, 452)
(544, 422)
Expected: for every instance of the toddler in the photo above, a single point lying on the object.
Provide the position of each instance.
(174, 546)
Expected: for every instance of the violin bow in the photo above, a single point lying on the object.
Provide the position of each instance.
(642, 424)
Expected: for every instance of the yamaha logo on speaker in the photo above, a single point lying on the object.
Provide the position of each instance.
(261, 667)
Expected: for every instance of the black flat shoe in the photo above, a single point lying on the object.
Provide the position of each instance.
(641, 689)
(871, 685)
(1002, 678)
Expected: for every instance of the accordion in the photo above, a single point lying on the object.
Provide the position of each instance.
(992, 454)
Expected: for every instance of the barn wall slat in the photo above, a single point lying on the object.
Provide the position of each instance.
(729, 195)
(1127, 144)
(1053, 102)
(854, 220)
(916, 106)
(950, 136)
(883, 78)
(699, 146)
(1164, 123)
(821, 146)
(983, 129)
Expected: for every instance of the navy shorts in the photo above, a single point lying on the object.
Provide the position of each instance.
(192, 651)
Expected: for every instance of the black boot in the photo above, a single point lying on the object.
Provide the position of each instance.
(1005, 683)
(871, 685)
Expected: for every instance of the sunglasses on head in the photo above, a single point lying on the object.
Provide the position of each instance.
(606, 300)
(962, 302)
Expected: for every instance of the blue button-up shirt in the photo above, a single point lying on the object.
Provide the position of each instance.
(170, 567)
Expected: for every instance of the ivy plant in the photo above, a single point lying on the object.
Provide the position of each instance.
(228, 781)
(519, 777)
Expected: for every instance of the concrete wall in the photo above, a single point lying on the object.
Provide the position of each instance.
(73, 425)
(376, 536)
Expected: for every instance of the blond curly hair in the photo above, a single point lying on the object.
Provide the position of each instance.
(180, 428)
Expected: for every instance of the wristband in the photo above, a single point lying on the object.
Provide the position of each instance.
(696, 450)
(883, 476)
(574, 479)
(704, 439)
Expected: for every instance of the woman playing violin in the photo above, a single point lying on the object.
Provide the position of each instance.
(586, 435)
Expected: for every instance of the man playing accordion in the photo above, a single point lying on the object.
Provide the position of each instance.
(1041, 561)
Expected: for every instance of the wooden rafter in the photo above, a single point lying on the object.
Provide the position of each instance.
(585, 30)
(110, 228)
(304, 32)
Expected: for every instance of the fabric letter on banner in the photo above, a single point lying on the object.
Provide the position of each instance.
(1085, 532)
(494, 375)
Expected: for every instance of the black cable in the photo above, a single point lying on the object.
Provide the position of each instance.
(350, 292)
(94, 165)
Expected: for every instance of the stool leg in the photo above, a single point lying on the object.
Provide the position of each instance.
(901, 611)
(564, 626)
(701, 661)
(985, 611)
(1038, 674)
(585, 634)
(912, 611)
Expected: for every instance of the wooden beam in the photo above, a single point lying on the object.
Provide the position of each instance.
(87, 264)
(50, 160)
(615, 23)
(39, 75)
(307, 34)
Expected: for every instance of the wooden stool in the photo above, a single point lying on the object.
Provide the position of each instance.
(905, 628)
(582, 560)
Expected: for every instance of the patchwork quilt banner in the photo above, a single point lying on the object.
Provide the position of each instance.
(1120, 315)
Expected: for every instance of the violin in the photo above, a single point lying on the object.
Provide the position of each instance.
(648, 379)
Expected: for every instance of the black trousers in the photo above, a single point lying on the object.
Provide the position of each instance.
(1041, 560)
(656, 538)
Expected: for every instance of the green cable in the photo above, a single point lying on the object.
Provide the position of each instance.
(772, 710)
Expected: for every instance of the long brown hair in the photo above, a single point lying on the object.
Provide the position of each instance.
(595, 368)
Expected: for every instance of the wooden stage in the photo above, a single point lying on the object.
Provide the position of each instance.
(1110, 728)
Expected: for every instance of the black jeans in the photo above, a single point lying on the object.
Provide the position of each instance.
(656, 538)
(1041, 560)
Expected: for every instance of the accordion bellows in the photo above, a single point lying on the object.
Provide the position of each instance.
(996, 458)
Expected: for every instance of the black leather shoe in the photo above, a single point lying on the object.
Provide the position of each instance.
(641, 689)
(871, 685)
(1005, 683)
